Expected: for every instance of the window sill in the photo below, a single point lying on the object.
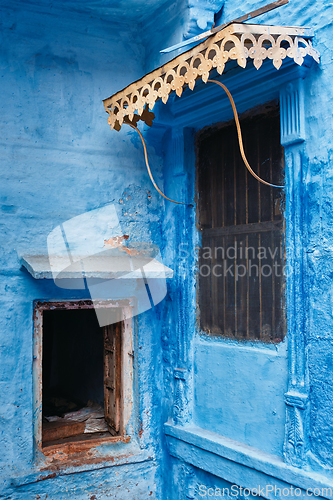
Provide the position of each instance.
(78, 444)
(94, 455)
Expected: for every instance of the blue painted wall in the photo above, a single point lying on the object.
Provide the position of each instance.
(237, 390)
(59, 160)
(224, 402)
(239, 393)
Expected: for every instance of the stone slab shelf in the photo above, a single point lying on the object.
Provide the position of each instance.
(100, 266)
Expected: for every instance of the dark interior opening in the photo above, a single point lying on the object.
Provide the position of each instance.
(72, 365)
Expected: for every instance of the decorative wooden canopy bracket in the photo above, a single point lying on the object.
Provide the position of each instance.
(238, 42)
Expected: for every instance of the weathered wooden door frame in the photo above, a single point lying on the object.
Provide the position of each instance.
(126, 360)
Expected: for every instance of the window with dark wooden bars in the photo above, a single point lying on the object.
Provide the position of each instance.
(242, 254)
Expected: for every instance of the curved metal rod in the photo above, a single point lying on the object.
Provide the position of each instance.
(148, 168)
(240, 140)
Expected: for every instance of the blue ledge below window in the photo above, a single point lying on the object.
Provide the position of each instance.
(238, 463)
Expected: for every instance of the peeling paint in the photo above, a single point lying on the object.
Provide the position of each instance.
(141, 429)
(116, 241)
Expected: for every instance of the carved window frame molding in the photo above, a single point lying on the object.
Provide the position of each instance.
(293, 138)
(184, 119)
(186, 75)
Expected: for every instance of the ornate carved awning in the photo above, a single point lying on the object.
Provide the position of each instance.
(238, 42)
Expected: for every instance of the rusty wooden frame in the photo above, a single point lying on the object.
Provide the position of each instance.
(113, 378)
(70, 447)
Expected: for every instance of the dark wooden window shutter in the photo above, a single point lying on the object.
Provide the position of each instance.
(112, 376)
(238, 213)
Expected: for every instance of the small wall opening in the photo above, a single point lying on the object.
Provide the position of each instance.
(76, 367)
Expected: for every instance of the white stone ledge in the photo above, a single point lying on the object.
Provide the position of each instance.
(98, 266)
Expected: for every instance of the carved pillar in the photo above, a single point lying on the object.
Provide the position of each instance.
(183, 266)
(188, 482)
(296, 399)
(181, 413)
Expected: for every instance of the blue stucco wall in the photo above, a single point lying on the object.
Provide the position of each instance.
(237, 390)
(59, 160)
(239, 393)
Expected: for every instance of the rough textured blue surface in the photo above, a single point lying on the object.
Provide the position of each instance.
(239, 393)
(59, 160)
